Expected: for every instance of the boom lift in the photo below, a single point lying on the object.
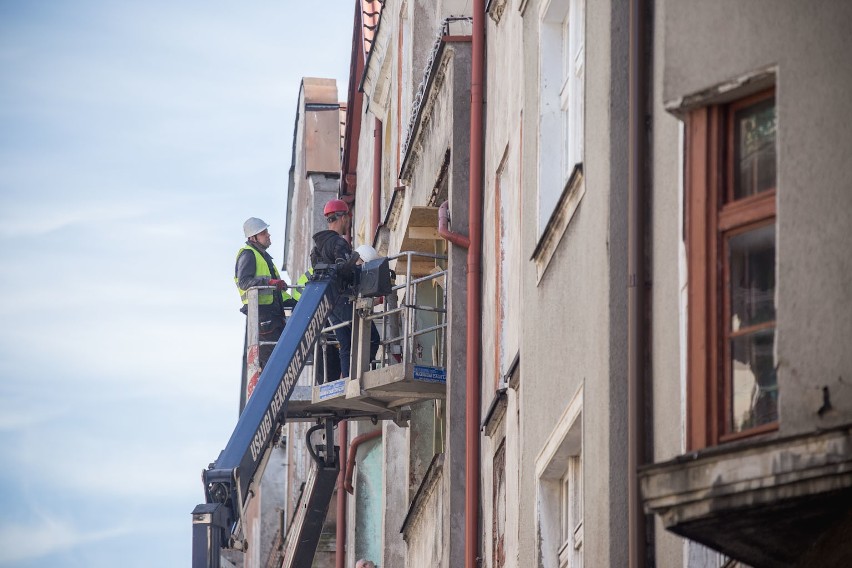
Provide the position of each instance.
(228, 482)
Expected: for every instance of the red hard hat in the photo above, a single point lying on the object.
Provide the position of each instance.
(335, 206)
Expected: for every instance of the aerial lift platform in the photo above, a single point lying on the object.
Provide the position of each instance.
(274, 398)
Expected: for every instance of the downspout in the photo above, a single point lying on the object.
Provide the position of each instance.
(340, 534)
(474, 279)
(353, 452)
(443, 228)
(637, 154)
(377, 176)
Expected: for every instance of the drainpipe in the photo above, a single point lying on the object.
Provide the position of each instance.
(474, 279)
(377, 176)
(636, 282)
(340, 534)
(353, 451)
(443, 228)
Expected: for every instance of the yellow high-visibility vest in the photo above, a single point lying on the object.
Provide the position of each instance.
(303, 279)
(261, 268)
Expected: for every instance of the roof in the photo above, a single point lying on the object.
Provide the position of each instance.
(371, 11)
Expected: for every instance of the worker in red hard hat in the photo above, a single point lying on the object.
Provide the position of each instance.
(330, 246)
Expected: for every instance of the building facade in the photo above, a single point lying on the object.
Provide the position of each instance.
(632, 218)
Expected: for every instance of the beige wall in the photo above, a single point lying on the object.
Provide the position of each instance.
(436, 537)
(502, 266)
(573, 330)
(701, 48)
(807, 46)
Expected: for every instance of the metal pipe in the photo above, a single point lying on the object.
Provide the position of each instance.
(340, 535)
(416, 253)
(353, 451)
(406, 354)
(636, 282)
(377, 176)
(443, 228)
(474, 278)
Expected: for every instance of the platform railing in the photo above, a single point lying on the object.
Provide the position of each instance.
(396, 320)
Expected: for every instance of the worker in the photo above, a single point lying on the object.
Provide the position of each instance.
(328, 364)
(254, 267)
(330, 246)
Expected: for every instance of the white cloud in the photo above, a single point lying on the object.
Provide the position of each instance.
(18, 415)
(38, 222)
(118, 446)
(51, 535)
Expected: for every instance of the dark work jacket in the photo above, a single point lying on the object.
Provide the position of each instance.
(329, 247)
(246, 273)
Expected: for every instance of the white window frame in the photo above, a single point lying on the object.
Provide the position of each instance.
(559, 492)
(561, 100)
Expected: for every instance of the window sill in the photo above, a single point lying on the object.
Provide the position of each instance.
(762, 495)
(573, 192)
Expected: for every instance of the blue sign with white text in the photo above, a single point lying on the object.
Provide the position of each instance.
(332, 389)
(430, 374)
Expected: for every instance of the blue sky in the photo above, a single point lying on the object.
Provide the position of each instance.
(135, 138)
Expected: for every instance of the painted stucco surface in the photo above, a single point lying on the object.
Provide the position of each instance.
(573, 330)
(807, 49)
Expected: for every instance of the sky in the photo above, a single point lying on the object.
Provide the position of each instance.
(135, 139)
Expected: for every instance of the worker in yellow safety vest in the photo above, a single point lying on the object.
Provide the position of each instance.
(254, 267)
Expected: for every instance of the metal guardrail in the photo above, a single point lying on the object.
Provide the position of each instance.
(397, 322)
(399, 343)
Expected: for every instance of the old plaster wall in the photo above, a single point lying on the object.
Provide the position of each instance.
(573, 331)
(299, 225)
(447, 126)
(502, 265)
(365, 512)
(433, 138)
(362, 206)
(316, 169)
(426, 537)
(395, 493)
(808, 48)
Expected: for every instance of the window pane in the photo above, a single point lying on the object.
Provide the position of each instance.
(752, 277)
(754, 152)
(754, 392)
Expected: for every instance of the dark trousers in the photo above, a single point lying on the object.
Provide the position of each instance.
(344, 338)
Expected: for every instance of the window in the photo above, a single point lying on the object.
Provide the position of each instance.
(571, 503)
(731, 242)
(561, 72)
(559, 492)
(498, 522)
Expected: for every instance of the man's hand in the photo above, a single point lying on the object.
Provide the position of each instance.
(279, 284)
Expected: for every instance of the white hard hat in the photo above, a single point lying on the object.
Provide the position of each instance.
(253, 226)
(367, 253)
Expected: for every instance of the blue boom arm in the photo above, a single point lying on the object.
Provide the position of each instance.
(228, 479)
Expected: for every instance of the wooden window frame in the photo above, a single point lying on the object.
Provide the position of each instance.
(711, 217)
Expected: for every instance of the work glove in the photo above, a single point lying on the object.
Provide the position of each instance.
(279, 284)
